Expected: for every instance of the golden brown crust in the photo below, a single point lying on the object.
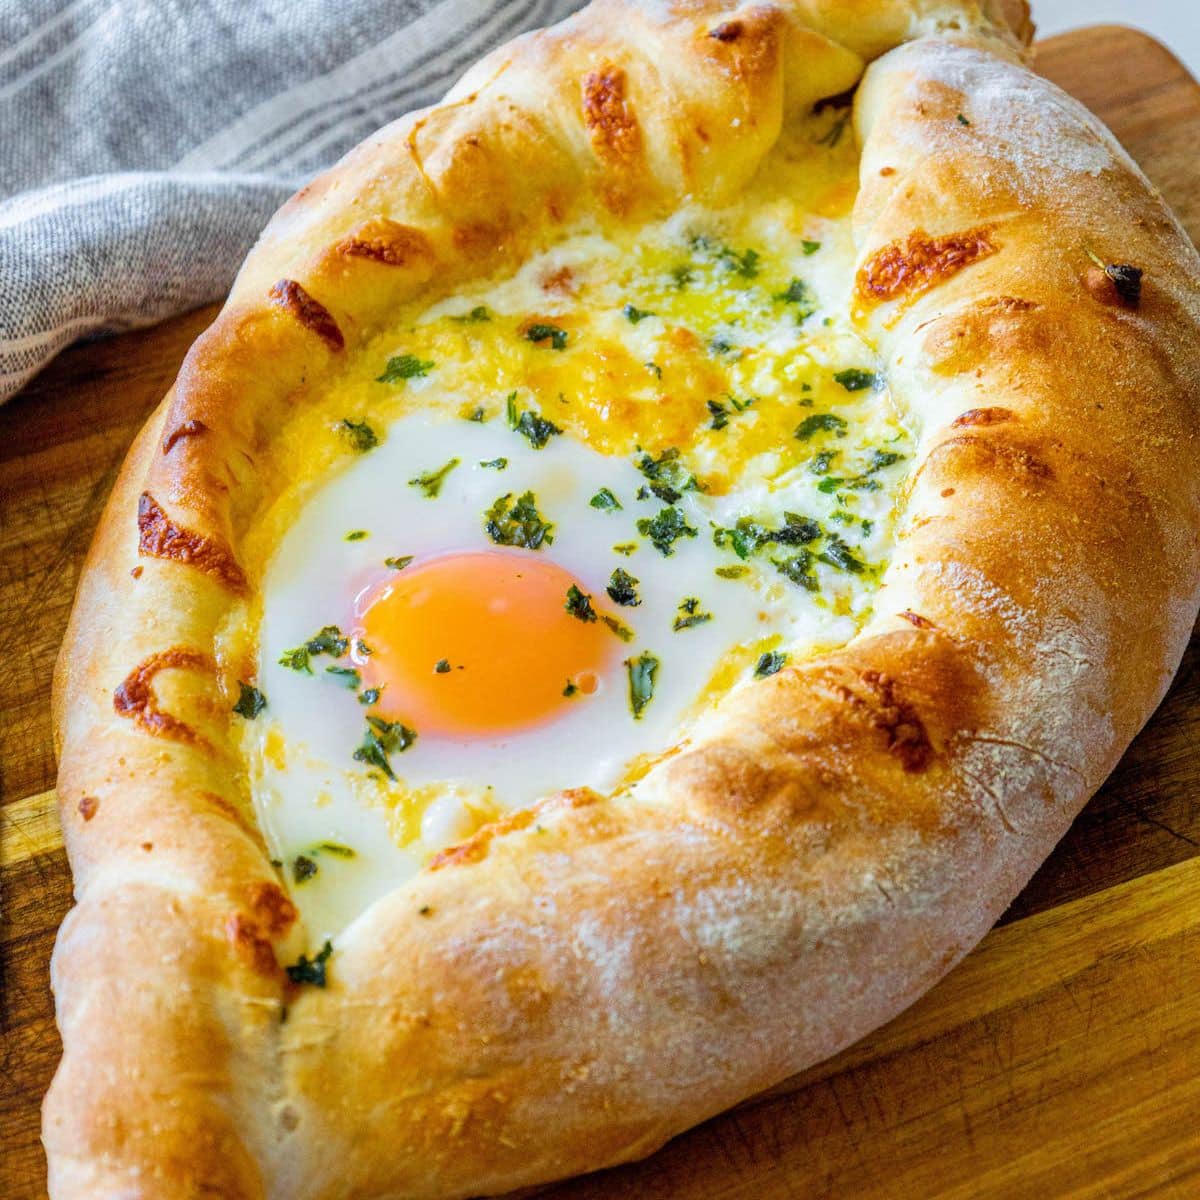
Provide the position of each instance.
(822, 850)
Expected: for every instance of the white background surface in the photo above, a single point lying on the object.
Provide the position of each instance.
(1176, 23)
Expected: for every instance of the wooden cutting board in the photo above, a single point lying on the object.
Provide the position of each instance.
(1062, 1058)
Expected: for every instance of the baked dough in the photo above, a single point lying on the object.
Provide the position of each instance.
(536, 1006)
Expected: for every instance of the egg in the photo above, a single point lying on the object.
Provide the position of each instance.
(561, 515)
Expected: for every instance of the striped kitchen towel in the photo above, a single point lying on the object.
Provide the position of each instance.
(145, 143)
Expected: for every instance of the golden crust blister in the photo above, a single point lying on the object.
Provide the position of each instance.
(560, 996)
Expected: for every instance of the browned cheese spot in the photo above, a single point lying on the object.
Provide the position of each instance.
(610, 122)
(885, 709)
(312, 314)
(134, 697)
(920, 262)
(727, 31)
(186, 430)
(136, 572)
(88, 806)
(984, 416)
(387, 242)
(160, 537)
(475, 848)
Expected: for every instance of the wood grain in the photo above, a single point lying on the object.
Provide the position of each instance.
(1058, 1060)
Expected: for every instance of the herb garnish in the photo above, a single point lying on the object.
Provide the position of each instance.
(530, 424)
(622, 631)
(579, 604)
(384, 738)
(400, 562)
(881, 459)
(431, 482)
(338, 849)
(570, 690)
(798, 568)
(820, 422)
(303, 868)
(838, 554)
(625, 548)
(668, 477)
(736, 572)
(809, 247)
(357, 535)
(370, 696)
(359, 434)
(442, 666)
(654, 369)
(770, 663)
(348, 677)
(833, 135)
(518, 524)
(479, 313)
(665, 529)
(543, 331)
(743, 263)
(605, 501)
(689, 614)
(720, 414)
(642, 672)
(305, 971)
(749, 535)
(495, 464)
(854, 379)
(961, 119)
(633, 314)
(401, 367)
(328, 641)
(822, 460)
(797, 293)
(250, 701)
(622, 589)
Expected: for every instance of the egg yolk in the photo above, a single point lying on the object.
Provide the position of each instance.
(479, 644)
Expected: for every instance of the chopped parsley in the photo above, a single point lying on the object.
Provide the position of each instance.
(809, 247)
(668, 477)
(797, 293)
(633, 314)
(579, 604)
(518, 524)
(622, 631)
(495, 464)
(479, 313)
(749, 535)
(720, 414)
(442, 666)
(961, 119)
(477, 414)
(530, 424)
(854, 379)
(250, 701)
(357, 535)
(743, 263)
(605, 501)
(821, 461)
(770, 663)
(798, 569)
(820, 423)
(543, 331)
(431, 482)
(348, 677)
(401, 367)
(736, 572)
(381, 740)
(328, 641)
(838, 554)
(359, 434)
(665, 529)
(625, 548)
(642, 673)
(689, 614)
(303, 868)
(881, 459)
(622, 589)
(338, 849)
(654, 369)
(400, 562)
(370, 696)
(306, 971)
(722, 345)
(570, 690)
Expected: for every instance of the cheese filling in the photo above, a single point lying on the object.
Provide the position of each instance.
(560, 516)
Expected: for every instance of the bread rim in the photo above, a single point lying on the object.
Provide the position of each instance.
(534, 1006)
